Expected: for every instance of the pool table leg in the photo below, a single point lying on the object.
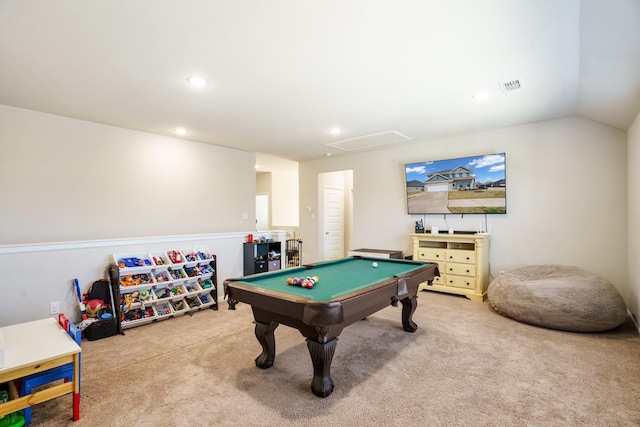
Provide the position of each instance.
(264, 333)
(321, 357)
(408, 307)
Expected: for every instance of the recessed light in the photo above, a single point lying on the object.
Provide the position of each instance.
(181, 131)
(327, 154)
(335, 131)
(480, 96)
(197, 81)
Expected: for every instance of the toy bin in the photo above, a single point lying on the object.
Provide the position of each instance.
(9, 392)
(206, 285)
(192, 287)
(136, 281)
(192, 270)
(178, 274)
(130, 262)
(191, 255)
(204, 253)
(176, 257)
(178, 292)
(164, 311)
(138, 316)
(180, 307)
(162, 294)
(205, 269)
(206, 300)
(147, 297)
(130, 300)
(159, 258)
(193, 302)
(161, 276)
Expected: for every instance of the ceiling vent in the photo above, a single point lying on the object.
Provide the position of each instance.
(370, 141)
(510, 86)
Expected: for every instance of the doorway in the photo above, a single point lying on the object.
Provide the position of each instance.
(334, 202)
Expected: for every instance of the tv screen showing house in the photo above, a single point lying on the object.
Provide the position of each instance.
(464, 185)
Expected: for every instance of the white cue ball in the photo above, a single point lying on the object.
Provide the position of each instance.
(374, 264)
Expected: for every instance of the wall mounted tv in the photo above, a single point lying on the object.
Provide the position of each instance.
(464, 185)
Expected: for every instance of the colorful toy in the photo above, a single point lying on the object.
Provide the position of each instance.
(192, 271)
(144, 295)
(165, 293)
(133, 262)
(175, 257)
(128, 300)
(83, 312)
(93, 307)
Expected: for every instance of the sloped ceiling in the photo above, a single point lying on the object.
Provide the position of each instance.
(283, 72)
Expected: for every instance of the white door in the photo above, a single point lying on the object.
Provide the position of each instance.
(262, 212)
(333, 223)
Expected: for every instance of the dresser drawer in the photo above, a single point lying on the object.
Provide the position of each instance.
(430, 254)
(461, 269)
(468, 257)
(461, 281)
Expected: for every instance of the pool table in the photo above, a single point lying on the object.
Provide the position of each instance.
(348, 290)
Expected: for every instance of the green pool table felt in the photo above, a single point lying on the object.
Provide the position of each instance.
(336, 278)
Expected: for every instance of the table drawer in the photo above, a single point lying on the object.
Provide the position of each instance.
(461, 281)
(468, 257)
(461, 269)
(431, 254)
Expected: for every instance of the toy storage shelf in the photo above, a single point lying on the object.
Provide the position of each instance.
(163, 284)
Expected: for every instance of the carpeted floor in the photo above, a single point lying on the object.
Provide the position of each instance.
(464, 366)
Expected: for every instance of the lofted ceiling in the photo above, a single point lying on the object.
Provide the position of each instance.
(281, 73)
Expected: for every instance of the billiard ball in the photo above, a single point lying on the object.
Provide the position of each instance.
(289, 281)
(316, 279)
(374, 264)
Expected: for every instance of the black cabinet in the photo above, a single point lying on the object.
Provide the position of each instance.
(261, 256)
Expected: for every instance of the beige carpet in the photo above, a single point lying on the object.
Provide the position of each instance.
(464, 366)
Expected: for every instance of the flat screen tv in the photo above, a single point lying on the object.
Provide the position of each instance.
(464, 185)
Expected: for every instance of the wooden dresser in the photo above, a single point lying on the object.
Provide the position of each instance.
(463, 261)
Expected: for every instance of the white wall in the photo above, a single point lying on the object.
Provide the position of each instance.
(633, 167)
(63, 179)
(566, 196)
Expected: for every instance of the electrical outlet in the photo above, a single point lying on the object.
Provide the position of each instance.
(54, 307)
